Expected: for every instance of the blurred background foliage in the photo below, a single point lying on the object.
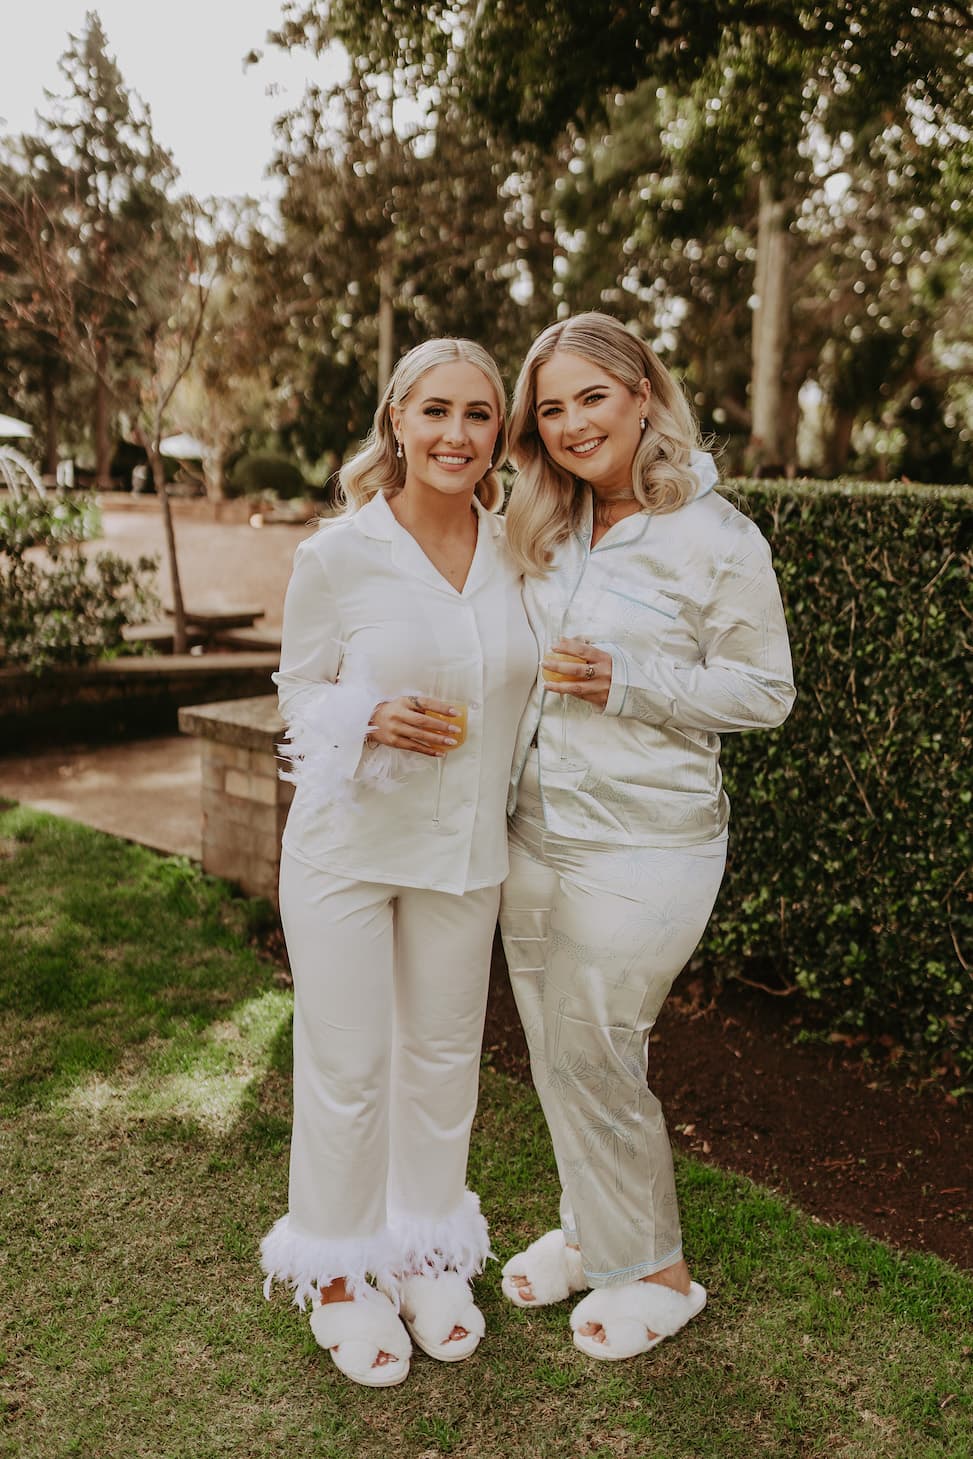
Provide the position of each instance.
(777, 196)
(57, 604)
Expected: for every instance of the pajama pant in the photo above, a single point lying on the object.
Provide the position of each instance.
(594, 936)
(390, 987)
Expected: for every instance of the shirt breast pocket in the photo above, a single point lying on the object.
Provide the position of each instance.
(631, 620)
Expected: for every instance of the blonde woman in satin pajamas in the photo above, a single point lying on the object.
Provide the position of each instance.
(665, 595)
(393, 855)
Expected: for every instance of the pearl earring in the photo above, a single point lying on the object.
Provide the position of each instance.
(642, 422)
(398, 447)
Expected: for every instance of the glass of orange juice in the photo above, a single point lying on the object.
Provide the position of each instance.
(450, 684)
(551, 676)
(554, 626)
(458, 721)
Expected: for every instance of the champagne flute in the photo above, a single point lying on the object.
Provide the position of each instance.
(554, 623)
(449, 683)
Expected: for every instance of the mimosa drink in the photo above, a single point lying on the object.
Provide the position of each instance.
(551, 677)
(457, 723)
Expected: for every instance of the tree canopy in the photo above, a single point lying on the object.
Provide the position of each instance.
(749, 169)
(777, 195)
(532, 67)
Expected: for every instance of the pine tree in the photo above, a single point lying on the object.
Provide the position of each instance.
(100, 199)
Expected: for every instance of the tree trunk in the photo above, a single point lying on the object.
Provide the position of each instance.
(50, 419)
(386, 325)
(839, 440)
(214, 474)
(790, 419)
(769, 340)
(103, 479)
(179, 639)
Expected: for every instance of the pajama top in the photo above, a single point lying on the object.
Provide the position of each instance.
(687, 604)
(367, 617)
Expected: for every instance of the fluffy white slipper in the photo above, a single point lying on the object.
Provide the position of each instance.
(356, 1332)
(628, 1314)
(552, 1268)
(431, 1306)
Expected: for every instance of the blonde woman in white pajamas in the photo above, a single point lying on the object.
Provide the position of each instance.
(393, 855)
(665, 595)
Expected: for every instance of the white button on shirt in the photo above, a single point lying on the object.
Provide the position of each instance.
(687, 604)
(368, 617)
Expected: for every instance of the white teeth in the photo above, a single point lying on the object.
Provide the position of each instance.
(586, 448)
(452, 460)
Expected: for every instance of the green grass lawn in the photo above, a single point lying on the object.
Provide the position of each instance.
(145, 1116)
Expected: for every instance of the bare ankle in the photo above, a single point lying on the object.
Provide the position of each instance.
(676, 1277)
(336, 1291)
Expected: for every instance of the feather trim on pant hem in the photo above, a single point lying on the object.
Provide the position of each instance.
(459, 1242)
(409, 1245)
(306, 1264)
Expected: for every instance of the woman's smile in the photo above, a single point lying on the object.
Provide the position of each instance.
(585, 448)
(452, 463)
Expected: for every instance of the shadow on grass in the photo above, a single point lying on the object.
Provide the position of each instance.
(128, 978)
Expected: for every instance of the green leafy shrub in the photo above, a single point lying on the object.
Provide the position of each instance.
(58, 606)
(51, 522)
(851, 842)
(265, 472)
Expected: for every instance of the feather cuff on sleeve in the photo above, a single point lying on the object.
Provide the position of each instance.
(325, 748)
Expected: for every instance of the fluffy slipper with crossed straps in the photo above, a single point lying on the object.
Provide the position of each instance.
(628, 1314)
(431, 1306)
(552, 1269)
(356, 1332)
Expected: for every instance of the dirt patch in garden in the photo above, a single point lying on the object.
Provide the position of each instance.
(846, 1140)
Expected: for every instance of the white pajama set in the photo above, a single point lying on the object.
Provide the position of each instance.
(618, 839)
(390, 875)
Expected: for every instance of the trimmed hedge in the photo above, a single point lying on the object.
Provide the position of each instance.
(851, 842)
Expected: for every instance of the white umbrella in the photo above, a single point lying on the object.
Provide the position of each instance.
(11, 428)
(17, 474)
(183, 447)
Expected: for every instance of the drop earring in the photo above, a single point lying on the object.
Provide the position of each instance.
(642, 422)
(398, 448)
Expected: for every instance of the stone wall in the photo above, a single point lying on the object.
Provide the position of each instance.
(245, 803)
(121, 698)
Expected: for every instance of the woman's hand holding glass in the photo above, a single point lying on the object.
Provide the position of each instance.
(416, 722)
(574, 666)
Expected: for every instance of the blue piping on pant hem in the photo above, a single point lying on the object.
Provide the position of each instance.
(633, 1273)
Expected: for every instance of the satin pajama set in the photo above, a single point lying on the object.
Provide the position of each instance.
(618, 840)
(390, 875)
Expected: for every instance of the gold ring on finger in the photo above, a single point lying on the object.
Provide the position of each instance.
(589, 672)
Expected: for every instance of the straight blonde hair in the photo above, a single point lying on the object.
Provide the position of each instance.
(546, 502)
(375, 466)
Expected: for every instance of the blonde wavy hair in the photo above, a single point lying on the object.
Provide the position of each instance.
(375, 467)
(546, 502)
